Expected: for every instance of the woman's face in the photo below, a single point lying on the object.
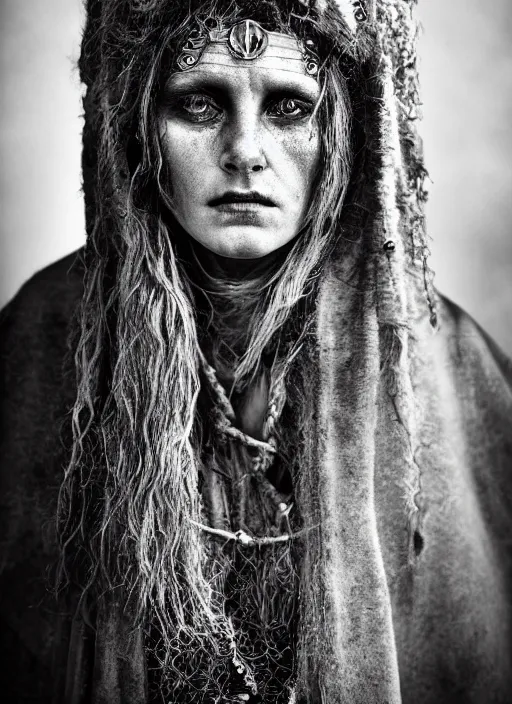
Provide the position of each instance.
(241, 152)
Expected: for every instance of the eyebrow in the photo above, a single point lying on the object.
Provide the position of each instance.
(179, 84)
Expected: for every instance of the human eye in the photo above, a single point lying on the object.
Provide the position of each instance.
(197, 107)
(290, 108)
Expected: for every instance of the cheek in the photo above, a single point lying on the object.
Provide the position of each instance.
(302, 151)
(185, 155)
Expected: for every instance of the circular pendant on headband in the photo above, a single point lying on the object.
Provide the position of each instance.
(247, 40)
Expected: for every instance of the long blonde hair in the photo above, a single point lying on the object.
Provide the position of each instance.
(129, 502)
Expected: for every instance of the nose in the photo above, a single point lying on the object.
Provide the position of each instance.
(243, 152)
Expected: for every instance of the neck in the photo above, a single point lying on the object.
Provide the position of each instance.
(214, 269)
(229, 294)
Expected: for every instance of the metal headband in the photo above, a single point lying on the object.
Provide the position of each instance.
(246, 40)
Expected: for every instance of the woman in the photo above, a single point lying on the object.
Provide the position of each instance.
(285, 457)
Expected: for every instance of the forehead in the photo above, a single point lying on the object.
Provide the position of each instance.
(219, 68)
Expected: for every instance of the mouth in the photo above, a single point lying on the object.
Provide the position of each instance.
(241, 200)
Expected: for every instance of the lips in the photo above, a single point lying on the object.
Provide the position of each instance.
(232, 197)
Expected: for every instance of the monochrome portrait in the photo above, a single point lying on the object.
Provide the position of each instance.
(252, 449)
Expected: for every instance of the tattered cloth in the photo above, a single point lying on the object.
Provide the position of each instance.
(424, 628)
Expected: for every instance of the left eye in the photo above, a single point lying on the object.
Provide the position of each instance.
(290, 108)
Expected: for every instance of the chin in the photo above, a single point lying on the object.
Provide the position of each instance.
(244, 245)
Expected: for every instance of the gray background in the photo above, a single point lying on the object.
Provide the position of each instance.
(467, 80)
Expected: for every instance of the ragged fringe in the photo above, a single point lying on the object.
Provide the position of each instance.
(401, 245)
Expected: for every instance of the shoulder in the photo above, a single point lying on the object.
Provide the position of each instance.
(34, 332)
(35, 394)
(473, 352)
(45, 302)
(52, 291)
(473, 378)
(34, 388)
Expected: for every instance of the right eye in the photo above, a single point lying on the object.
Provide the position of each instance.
(290, 109)
(199, 107)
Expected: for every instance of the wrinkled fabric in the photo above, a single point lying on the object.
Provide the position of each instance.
(438, 622)
(436, 629)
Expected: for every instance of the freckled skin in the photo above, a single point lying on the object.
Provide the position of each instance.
(247, 145)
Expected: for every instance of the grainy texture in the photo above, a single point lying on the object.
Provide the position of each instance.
(404, 461)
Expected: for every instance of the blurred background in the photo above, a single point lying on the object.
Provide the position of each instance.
(466, 58)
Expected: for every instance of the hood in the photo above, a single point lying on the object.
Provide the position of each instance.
(375, 297)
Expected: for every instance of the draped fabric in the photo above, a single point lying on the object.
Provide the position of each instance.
(431, 627)
(406, 448)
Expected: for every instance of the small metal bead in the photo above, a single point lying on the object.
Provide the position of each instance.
(360, 14)
(189, 60)
(244, 539)
(389, 246)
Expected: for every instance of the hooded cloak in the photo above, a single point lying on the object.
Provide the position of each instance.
(405, 571)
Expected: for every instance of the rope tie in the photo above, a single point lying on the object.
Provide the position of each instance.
(260, 461)
(246, 540)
